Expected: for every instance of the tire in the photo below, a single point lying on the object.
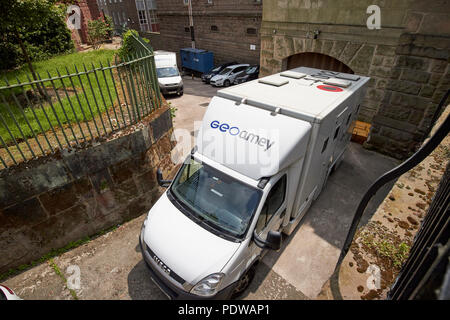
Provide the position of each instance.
(244, 282)
(227, 83)
(180, 93)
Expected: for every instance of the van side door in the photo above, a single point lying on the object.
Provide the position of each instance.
(274, 209)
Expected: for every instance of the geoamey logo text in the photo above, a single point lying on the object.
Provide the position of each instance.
(243, 134)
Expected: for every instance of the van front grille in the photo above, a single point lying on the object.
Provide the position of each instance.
(164, 268)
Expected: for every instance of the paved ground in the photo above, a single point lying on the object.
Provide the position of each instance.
(112, 268)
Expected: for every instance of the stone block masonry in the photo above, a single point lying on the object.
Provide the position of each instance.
(47, 203)
(407, 59)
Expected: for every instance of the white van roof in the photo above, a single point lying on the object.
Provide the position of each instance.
(163, 52)
(303, 93)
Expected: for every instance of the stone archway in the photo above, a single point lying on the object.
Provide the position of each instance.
(315, 60)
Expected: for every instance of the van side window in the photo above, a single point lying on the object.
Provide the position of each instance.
(325, 143)
(192, 168)
(274, 200)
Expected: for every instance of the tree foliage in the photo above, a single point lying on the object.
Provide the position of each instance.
(33, 28)
(100, 30)
(129, 46)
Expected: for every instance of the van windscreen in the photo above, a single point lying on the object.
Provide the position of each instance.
(167, 72)
(221, 201)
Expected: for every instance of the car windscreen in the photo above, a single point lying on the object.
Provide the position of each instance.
(225, 71)
(250, 70)
(223, 202)
(216, 69)
(167, 72)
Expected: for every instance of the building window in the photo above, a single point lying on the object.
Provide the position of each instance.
(251, 31)
(114, 18)
(187, 29)
(148, 18)
(142, 17)
(214, 28)
(210, 1)
(185, 2)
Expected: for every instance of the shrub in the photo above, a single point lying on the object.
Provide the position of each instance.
(99, 30)
(129, 46)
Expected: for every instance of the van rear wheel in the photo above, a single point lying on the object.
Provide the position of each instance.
(244, 282)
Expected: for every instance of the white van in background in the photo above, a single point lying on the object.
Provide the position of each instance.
(169, 77)
(264, 153)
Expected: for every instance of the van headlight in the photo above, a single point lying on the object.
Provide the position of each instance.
(208, 286)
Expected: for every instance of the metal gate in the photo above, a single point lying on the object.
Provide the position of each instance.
(316, 60)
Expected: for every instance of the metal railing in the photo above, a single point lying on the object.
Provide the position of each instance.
(70, 110)
(422, 275)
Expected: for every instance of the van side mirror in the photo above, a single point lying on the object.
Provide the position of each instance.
(272, 242)
(159, 178)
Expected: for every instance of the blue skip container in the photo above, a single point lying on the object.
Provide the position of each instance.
(197, 59)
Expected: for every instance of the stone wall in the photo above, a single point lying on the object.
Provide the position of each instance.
(231, 17)
(47, 203)
(416, 81)
(407, 59)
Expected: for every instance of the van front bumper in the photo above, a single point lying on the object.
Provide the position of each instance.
(175, 293)
(171, 89)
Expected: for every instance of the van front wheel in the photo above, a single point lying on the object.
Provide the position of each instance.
(244, 282)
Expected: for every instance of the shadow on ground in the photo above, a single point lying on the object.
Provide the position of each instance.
(141, 286)
(316, 242)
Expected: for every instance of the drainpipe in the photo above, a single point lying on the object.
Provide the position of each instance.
(191, 24)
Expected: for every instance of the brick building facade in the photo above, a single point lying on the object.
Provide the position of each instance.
(88, 11)
(228, 28)
(137, 14)
(407, 59)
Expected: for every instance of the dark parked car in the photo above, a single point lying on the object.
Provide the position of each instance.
(206, 77)
(248, 74)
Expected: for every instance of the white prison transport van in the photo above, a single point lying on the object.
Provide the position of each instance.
(264, 152)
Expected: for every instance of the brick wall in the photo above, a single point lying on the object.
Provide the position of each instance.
(89, 11)
(121, 12)
(232, 18)
(47, 203)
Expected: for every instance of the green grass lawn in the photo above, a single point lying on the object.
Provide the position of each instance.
(67, 108)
